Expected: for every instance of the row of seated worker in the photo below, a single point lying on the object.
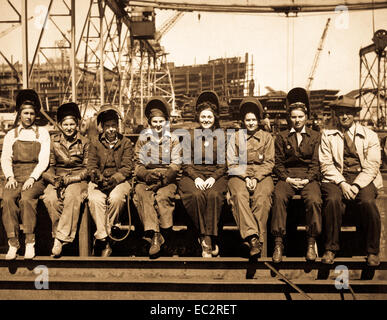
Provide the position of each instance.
(68, 167)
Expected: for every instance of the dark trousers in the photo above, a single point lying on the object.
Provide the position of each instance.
(311, 195)
(203, 207)
(334, 207)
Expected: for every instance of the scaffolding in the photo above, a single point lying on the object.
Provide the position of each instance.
(102, 65)
(372, 82)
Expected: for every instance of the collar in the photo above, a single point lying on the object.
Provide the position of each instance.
(20, 128)
(77, 138)
(355, 128)
(352, 129)
(108, 143)
(256, 135)
(149, 132)
(303, 130)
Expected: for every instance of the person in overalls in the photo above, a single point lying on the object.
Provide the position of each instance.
(110, 166)
(158, 161)
(66, 177)
(25, 156)
(250, 157)
(297, 169)
(204, 183)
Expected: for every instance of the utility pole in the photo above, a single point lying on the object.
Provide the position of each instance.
(24, 22)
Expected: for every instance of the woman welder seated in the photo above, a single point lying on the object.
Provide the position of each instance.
(66, 177)
(25, 155)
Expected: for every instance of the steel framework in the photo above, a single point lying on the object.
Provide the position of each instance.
(373, 79)
(106, 63)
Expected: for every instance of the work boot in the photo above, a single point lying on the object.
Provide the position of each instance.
(12, 251)
(30, 251)
(278, 250)
(215, 250)
(102, 248)
(107, 251)
(328, 257)
(373, 260)
(255, 246)
(311, 254)
(157, 242)
(57, 248)
(206, 250)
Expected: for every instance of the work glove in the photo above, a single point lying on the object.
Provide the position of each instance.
(71, 179)
(96, 177)
(152, 177)
(169, 176)
(59, 187)
(48, 177)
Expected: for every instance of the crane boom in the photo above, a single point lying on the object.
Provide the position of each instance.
(168, 25)
(11, 28)
(317, 56)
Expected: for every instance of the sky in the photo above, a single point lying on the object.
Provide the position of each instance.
(282, 49)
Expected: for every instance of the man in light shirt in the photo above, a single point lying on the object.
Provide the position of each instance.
(350, 160)
(25, 155)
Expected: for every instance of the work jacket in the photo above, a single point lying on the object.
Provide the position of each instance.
(153, 153)
(250, 155)
(297, 161)
(68, 160)
(122, 153)
(331, 156)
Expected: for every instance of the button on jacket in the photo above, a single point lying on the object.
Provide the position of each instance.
(296, 161)
(258, 151)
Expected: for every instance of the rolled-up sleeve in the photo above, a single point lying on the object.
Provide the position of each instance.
(6, 155)
(44, 154)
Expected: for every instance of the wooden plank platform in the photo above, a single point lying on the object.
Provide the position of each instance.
(183, 278)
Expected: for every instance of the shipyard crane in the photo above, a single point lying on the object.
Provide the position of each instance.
(11, 28)
(168, 25)
(317, 56)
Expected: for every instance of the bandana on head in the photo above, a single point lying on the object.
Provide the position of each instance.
(250, 108)
(27, 105)
(70, 117)
(298, 105)
(155, 112)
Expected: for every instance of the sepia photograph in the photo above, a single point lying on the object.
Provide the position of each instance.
(193, 158)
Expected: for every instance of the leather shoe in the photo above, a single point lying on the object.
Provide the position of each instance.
(311, 253)
(157, 242)
(102, 248)
(328, 257)
(107, 251)
(278, 252)
(373, 260)
(255, 246)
